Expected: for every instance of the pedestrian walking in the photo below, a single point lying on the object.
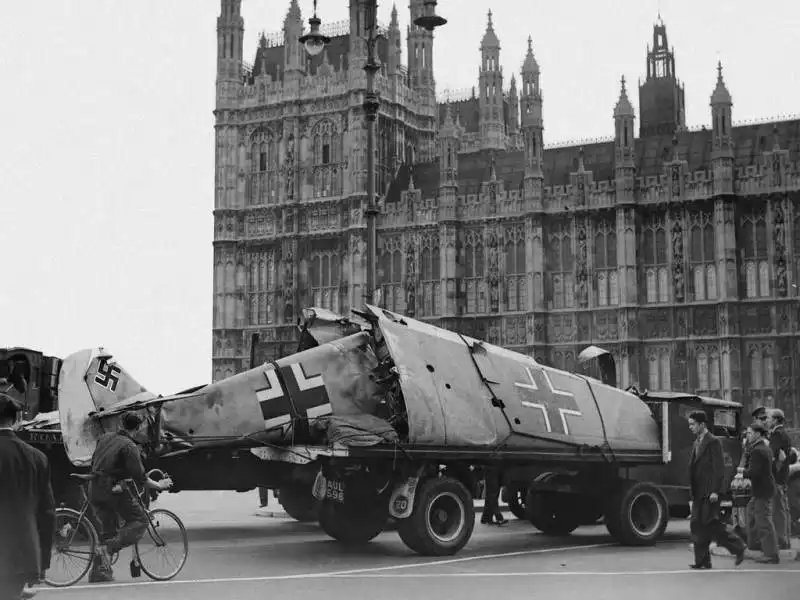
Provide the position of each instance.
(781, 447)
(759, 510)
(27, 509)
(491, 507)
(707, 480)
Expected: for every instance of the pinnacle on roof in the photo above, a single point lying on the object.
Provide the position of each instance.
(448, 127)
(530, 65)
(721, 94)
(294, 13)
(490, 37)
(623, 107)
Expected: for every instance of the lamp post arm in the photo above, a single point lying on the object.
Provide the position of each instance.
(371, 107)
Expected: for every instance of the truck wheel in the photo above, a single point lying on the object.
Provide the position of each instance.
(637, 514)
(515, 496)
(794, 503)
(552, 514)
(298, 501)
(352, 525)
(443, 518)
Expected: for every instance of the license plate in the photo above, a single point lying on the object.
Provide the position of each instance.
(334, 490)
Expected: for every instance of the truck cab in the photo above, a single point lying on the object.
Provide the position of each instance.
(32, 379)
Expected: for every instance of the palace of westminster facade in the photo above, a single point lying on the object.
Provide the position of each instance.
(678, 250)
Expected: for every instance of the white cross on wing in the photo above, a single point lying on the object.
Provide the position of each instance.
(532, 386)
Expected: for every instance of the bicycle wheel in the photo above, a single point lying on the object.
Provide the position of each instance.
(74, 544)
(166, 539)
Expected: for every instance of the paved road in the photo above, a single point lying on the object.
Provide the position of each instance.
(238, 555)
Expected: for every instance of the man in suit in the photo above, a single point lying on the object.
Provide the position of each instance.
(707, 480)
(759, 510)
(781, 447)
(27, 508)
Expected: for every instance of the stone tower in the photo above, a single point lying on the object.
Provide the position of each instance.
(490, 78)
(661, 97)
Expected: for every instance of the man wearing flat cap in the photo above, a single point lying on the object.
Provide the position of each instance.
(27, 508)
(759, 472)
(117, 458)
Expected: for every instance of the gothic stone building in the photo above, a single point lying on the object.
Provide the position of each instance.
(674, 248)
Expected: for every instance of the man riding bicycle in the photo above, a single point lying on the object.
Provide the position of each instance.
(117, 457)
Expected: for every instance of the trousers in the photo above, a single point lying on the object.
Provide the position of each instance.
(11, 589)
(706, 529)
(781, 517)
(110, 508)
(760, 528)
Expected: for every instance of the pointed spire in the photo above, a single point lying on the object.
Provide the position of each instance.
(394, 24)
(490, 37)
(675, 156)
(581, 168)
(530, 65)
(294, 11)
(721, 94)
(623, 107)
(513, 87)
(448, 115)
(493, 172)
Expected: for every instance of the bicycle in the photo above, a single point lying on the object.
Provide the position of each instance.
(75, 535)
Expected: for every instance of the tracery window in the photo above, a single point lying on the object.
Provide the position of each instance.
(391, 274)
(703, 281)
(324, 277)
(762, 368)
(654, 258)
(516, 281)
(430, 280)
(474, 269)
(753, 246)
(605, 264)
(262, 184)
(261, 288)
(326, 151)
(560, 265)
(709, 373)
(658, 369)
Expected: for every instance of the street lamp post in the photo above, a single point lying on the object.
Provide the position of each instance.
(314, 42)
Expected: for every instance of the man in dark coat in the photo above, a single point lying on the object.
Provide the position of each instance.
(707, 477)
(117, 458)
(27, 508)
(781, 447)
(759, 510)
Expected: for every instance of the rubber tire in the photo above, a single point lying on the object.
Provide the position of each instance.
(94, 541)
(176, 520)
(299, 502)
(544, 513)
(352, 527)
(618, 515)
(794, 502)
(516, 498)
(414, 530)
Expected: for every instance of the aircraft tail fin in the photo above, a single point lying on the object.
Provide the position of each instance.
(90, 382)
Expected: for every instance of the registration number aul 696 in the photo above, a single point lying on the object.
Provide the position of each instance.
(325, 488)
(334, 490)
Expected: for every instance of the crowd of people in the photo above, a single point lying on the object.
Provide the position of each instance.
(764, 525)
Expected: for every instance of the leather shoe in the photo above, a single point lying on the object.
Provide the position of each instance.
(768, 560)
(739, 558)
(700, 566)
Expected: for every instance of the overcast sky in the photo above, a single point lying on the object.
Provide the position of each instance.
(107, 153)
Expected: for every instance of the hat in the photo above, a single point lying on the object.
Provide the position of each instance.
(9, 407)
(760, 427)
(759, 412)
(131, 420)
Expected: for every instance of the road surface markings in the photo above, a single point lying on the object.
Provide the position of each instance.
(349, 572)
